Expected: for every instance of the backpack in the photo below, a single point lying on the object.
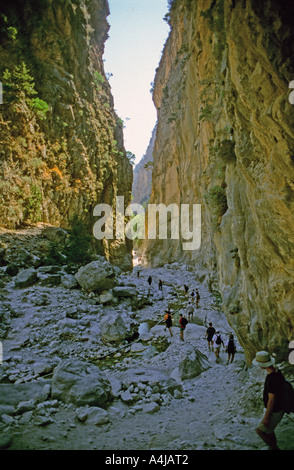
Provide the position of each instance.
(218, 340)
(287, 397)
(184, 321)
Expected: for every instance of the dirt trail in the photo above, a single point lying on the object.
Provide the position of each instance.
(218, 409)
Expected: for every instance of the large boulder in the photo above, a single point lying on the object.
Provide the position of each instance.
(125, 291)
(26, 278)
(113, 328)
(80, 383)
(192, 363)
(96, 276)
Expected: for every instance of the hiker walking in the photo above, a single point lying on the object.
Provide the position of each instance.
(183, 322)
(186, 288)
(160, 284)
(231, 348)
(192, 296)
(149, 280)
(209, 335)
(190, 310)
(168, 321)
(272, 394)
(217, 342)
(197, 298)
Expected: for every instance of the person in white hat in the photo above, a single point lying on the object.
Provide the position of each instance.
(271, 398)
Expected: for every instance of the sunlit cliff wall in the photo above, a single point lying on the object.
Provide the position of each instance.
(225, 140)
(61, 143)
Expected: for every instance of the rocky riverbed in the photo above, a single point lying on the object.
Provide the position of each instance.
(90, 369)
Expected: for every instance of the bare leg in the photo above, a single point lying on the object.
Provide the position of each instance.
(269, 439)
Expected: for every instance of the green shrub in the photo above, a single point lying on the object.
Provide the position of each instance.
(79, 245)
(53, 256)
(226, 151)
(217, 200)
(33, 204)
(40, 107)
(19, 84)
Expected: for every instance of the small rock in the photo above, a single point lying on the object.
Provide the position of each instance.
(150, 408)
(41, 368)
(6, 419)
(43, 421)
(97, 416)
(24, 406)
(26, 278)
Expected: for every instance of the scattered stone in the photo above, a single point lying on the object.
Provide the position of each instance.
(80, 383)
(7, 410)
(106, 297)
(49, 279)
(42, 368)
(25, 278)
(24, 406)
(150, 408)
(97, 416)
(69, 281)
(125, 291)
(7, 419)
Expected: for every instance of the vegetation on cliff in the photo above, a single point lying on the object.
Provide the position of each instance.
(61, 141)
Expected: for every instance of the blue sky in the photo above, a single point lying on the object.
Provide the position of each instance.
(132, 53)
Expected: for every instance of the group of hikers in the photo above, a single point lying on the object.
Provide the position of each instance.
(215, 341)
(274, 382)
(212, 335)
(168, 323)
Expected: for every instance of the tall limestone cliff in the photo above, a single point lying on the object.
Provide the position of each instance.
(225, 140)
(143, 174)
(61, 142)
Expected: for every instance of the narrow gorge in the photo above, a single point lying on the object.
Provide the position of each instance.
(86, 362)
(225, 141)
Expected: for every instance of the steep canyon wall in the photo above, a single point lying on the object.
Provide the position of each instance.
(61, 142)
(143, 174)
(225, 140)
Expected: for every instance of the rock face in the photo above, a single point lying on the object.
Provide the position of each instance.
(225, 141)
(141, 189)
(62, 148)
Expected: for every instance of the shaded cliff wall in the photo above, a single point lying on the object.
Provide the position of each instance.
(142, 181)
(62, 148)
(225, 140)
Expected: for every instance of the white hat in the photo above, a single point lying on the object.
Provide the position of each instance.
(263, 359)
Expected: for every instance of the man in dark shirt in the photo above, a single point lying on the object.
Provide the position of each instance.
(271, 399)
(209, 335)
